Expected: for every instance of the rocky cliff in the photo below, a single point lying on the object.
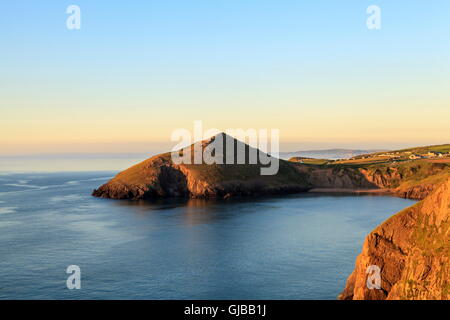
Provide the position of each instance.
(159, 176)
(412, 249)
(412, 180)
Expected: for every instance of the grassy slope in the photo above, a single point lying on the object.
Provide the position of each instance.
(413, 172)
(404, 174)
(309, 160)
(443, 148)
(152, 174)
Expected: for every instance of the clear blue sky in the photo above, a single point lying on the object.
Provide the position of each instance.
(139, 69)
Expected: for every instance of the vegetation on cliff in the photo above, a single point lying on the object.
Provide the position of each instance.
(413, 179)
(412, 249)
(159, 176)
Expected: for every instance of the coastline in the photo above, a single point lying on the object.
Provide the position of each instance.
(353, 191)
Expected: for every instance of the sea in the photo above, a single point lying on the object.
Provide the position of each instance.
(299, 246)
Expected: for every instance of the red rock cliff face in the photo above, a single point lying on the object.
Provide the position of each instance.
(412, 180)
(342, 178)
(412, 249)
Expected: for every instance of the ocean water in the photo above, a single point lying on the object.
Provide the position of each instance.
(288, 247)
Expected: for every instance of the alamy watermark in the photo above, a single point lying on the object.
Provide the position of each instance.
(73, 21)
(374, 20)
(228, 147)
(374, 277)
(74, 280)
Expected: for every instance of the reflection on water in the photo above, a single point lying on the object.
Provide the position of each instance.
(293, 247)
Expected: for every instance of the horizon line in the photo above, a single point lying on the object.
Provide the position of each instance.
(154, 152)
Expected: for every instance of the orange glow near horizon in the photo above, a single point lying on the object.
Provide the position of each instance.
(323, 82)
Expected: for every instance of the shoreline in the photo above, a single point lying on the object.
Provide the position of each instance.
(352, 191)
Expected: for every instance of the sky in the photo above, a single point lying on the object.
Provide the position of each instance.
(138, 70)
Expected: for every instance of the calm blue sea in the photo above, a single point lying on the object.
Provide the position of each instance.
(293, 247)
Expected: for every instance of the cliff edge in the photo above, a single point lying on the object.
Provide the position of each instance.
(160, 177)
(412, 249)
